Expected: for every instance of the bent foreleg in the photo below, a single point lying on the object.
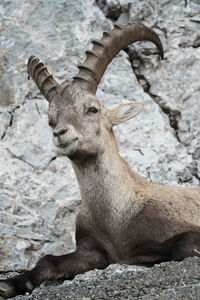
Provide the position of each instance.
(50, 267)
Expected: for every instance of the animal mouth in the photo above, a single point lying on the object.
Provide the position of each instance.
(64, 145)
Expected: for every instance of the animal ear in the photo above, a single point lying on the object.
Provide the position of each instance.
(124, 112)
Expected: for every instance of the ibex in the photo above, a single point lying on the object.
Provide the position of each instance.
(123, 218)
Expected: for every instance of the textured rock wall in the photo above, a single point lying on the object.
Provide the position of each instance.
(39, 195)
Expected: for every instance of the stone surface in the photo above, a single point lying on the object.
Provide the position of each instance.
(167, 281)
(39, 194)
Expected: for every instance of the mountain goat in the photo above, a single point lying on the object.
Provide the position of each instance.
(123, 218)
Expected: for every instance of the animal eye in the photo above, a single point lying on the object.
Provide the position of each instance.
(92, 110)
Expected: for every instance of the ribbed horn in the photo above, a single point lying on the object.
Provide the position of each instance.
(44, 80)
(104, 50)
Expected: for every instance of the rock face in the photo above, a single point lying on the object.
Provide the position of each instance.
(39, 194)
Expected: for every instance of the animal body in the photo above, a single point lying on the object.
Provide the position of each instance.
(123, 218)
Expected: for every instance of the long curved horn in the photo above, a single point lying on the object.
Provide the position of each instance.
(44, 80)
(104, 50)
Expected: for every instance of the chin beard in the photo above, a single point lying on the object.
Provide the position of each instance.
(73, 153)
(81, 156)
(66, 150)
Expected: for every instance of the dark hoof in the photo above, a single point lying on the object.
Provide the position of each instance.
(6, 290)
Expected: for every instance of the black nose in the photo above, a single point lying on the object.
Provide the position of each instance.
(59, 132)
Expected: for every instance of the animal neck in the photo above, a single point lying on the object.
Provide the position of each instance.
(106, 177)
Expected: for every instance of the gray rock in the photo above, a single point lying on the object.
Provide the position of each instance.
(5, 120)
(175, 280)
(172, 84)
(41, 189)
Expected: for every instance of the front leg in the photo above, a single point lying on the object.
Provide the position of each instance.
(88, 256)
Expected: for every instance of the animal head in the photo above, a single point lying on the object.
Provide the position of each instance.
(81, 125)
